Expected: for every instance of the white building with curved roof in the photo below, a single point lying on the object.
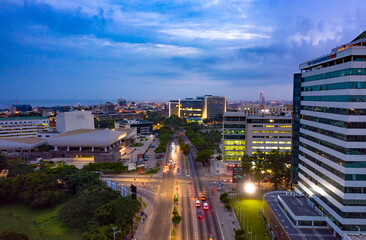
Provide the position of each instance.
(23, 144)
(88, 138)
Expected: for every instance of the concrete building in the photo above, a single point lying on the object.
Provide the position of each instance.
(247, 134)
(69, 121)
(142, 126)
(256, 109)
(332, 150)
(174, 108)
(199, 108)
(20, 144)
(214, 105)
(23, 126)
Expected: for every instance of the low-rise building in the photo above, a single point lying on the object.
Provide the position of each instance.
(23, 126)
(143, 126)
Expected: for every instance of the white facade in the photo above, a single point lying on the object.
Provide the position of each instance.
(247, 134)
(332, 159)
(69, 121)
(23, 126)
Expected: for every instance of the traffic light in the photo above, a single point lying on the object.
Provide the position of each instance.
(133, 192)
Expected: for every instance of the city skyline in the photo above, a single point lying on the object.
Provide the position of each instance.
(89, 50)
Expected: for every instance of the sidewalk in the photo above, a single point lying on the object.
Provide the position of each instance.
(143, 226)
(227, 218)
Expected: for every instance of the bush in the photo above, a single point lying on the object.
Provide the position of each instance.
(228, 206)
(225, 200)
(223, 196)
(108, 167)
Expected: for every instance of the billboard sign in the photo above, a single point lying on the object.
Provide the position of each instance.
(238, 175)
(131, 166)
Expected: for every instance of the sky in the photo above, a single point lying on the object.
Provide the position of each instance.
(157, 50)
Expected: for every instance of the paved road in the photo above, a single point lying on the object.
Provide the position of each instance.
(160, 226)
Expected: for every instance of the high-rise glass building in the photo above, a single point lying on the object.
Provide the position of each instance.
(332, 136)
(296, 126)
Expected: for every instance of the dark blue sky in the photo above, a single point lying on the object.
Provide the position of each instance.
(160, 50)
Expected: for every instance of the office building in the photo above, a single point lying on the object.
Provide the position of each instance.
(199, 108)
(192, 109)
(122, 102)
(174, 106)
(332, 150)
(247, 134)
(143, 127)
(23, 126)
(214, 105)
(256, 109)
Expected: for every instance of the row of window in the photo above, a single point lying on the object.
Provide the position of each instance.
(230, 131)
(271, 142)
(319, 187)
(271, 136)
(347, 151)
(347, 138)
(330, 216)
(346, 164)
(234, 126)
(338, 98)
(235, 119)
(323, 165)
(342, 111)
(333, 122)
(262, 147)
(263, 131)
(335, 86)
(234, 136)
(234, 142)
(340, 73)
(269, 121)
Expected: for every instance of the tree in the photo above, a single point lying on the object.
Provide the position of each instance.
(18, 167)
(104, 232)
(204, 155)
(41, 190)
(79, 211)
(260, 167)
(10, 234)
(81, 180)
(186, 148)
(3, 162)
(247, 165)
(279, 166)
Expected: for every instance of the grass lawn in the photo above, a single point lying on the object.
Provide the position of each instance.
(37, 224)
(249, 213)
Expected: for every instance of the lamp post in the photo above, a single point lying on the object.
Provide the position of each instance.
(115, 232)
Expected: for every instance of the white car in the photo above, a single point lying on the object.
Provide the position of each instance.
(198, 204)
(205, 206)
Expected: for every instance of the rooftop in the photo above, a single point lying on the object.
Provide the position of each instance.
(298, 209)
(22, 118)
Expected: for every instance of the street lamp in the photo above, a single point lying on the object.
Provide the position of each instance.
(249, 188)
(115, 232)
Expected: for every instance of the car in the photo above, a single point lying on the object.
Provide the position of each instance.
(198, 204)
(203, 198)
(205, 206)
(199, 213)
(210, 236)
(152, 146)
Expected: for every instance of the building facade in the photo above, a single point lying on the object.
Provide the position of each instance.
(296, 126)
(214, 105)
(199, 108)
(142, 126)
(247, 134)
(23, 126)
(68, 121)
(332, 150)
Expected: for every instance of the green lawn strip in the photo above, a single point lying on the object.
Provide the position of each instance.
(249, 209)
(37, 224)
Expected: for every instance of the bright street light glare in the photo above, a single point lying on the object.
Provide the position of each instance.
(249, 188)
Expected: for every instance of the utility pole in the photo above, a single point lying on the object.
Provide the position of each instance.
(115, 232)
